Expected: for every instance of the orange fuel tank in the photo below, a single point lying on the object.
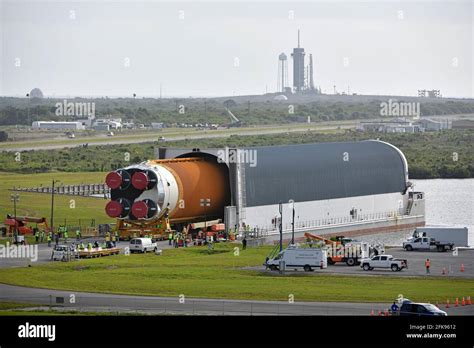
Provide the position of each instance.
(187, 189)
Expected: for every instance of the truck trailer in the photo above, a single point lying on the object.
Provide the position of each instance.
(295, 257)
(444, 234)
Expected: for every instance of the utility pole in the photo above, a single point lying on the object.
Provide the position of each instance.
(28, 108)
(15, 198)
(205, 203)
(280, 209)
(52, 205)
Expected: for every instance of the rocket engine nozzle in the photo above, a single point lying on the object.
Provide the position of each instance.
(119, 208)
(144, 180)
(119, 179)
(145, 209)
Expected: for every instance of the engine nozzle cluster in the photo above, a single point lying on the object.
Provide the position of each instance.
(128, 184)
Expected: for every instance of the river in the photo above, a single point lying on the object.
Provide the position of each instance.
(449, 202)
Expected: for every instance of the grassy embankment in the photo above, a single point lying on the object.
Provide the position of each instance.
(446, 154)
(39, 205)
(195, 273)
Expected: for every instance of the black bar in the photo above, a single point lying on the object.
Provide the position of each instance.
(380, 331)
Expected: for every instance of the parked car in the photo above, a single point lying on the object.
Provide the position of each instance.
(142, 245)
(60, 252)
(383, 261)
(409, 308)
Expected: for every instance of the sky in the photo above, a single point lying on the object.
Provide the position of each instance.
(225, 48)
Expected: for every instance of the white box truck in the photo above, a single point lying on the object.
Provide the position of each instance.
(444, 234)
(295, 257)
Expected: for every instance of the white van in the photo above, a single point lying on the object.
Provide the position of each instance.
(295, 257)
(142, 245)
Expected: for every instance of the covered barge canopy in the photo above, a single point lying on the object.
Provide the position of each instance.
(309, 172)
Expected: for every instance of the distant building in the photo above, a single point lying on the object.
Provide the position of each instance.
(433, 93)
(36, 93)
(405, 126)
(390, 127)
(112, 123)
(432, 125)
(298, 67)
(57, 125)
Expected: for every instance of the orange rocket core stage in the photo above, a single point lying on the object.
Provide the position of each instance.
(203, 187)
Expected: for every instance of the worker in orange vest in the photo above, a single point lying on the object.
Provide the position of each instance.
(427, 266)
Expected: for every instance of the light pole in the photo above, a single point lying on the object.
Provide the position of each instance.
(52, 205)
(15, 197)
(205, 202)
(28, 108)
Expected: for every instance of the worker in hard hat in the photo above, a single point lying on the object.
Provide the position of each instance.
(49, 238)
(113, 239)
(89, 246)
(66, 235)
(170, 238)
(37, 235)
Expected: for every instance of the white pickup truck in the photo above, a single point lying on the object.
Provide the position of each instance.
(426, 243)
(383, 261)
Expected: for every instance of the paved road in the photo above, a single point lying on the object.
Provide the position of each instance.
(153, 137)
(160, 305)
(44, 253)
(440, 262)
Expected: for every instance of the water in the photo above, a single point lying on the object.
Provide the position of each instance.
(449, 202)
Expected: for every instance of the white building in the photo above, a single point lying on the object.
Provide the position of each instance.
(57, 125)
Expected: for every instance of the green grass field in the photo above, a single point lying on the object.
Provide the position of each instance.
(195, 273)
(39, 205)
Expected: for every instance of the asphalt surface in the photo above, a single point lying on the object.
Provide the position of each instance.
(44, 253)
(84, 301)
(97, 302)
(416, 265)
(154, 137)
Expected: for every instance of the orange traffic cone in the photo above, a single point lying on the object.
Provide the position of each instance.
(456, 303)
(463, 302)
(462, 267)
(372, 313)
(469, 300)
(447, 303)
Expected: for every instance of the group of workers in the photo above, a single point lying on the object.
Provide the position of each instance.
(177, 239)
(112, 238)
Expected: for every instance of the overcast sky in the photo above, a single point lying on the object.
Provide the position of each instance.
(103, 48)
